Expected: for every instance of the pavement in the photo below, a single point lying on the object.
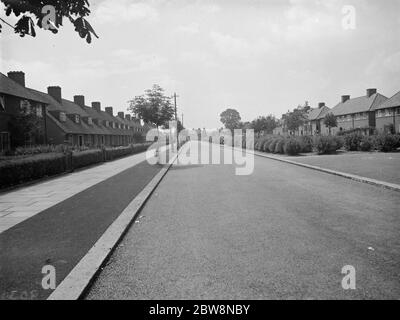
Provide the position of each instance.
(283, 232)
(63, 233)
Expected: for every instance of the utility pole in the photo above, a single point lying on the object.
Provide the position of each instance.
(176, 119)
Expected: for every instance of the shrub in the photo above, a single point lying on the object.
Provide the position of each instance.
(86, 158)
(306, 143)
(279, 148)
(352, 141)
(325, 144)
(16, 171)
(366, 144)
(386, 142)
(292, 147)
(339, 142)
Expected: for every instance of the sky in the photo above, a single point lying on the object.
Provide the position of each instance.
(259, 57)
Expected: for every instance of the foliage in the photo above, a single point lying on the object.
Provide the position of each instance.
(326, 144)
(153, 107)
(366, 143)
(306, 143)
(330, 121)
(352, 141)
(295, 119)
(266, 124)
(31, 10)
(292, 146)
(231, 119)
(386, 142)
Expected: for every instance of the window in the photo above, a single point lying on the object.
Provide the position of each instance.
(25, 106)
(398, 111)
(2, 104)
(63, 117)
(90, 121)
(39, 112)
(76, 118)
(106, 123)
(4, 141)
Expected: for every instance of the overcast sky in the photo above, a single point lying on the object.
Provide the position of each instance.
(259, 57)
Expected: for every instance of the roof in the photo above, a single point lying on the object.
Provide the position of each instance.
(318, 113)
(10, 87)
(358, 105)
(390, 103)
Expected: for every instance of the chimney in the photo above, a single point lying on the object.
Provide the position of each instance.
(109, 110)
(121, 115)
(17, 76)
(321, 105)
(128, 117)
(80, 101)
(96, 106)
(371, 92)
(55, 92)
(345, 98)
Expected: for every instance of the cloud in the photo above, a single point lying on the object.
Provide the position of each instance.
(120, 11)
(190, 29)
(236, 47)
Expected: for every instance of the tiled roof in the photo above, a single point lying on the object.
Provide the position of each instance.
(10, 87)
(390, 103)
(318, 113)
(358, 105)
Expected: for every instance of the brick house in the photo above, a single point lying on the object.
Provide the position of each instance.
(388, 115)
(313, 124)
(15, 98)
(71, 122)
(357, 113)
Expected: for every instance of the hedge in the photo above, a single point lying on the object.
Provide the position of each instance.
(18, 171)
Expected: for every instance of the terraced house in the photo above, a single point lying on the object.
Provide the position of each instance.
(358, 113)
(388, 115)
(63, 121)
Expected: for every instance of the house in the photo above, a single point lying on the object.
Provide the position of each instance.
(65, 121)
(313, 123)
(358, 113)
(14, 99)
(387, 115)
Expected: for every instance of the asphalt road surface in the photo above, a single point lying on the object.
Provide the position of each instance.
(283, 232)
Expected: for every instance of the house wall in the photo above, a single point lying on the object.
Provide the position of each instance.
(382, 122)
(55, 135)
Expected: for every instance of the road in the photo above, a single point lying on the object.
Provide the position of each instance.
(283, 232)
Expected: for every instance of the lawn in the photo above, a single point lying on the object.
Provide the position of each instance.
(374, 165)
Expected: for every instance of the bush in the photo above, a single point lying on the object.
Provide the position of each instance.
(292, 147)
(16, 171)
(279, 148)
(306, 143)
(326, 144)
(352, 141)
(366, 144)
(339, 142)
(386, 142)
(86, 158)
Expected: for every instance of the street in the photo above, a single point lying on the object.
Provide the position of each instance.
(283, 232)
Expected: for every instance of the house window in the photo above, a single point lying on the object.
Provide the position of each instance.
(25, 106)
(39, 112)
(4, 141)
(80, 141)
(2, 104)
(63, 117)
(398, 111)
(90, 121)
(76, 118)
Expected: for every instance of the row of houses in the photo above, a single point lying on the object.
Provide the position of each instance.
(370, 113)
(58, 120)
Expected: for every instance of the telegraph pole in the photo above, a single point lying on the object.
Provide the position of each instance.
(176, 119)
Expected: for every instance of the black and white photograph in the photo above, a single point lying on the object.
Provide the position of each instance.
(198, 157)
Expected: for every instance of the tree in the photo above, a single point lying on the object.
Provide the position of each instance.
(49, 14)
(266, 124)
(153, 107)
(330, 121)
(231, 119)
(295, 119)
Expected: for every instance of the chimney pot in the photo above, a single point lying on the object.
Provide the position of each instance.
(128, 117)
(96, 106)
(321, 105)
(345, 98)
(55, 92)
(80, 100)
(371, 92)
(121, 115)
(109, 110)
(17, 76)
